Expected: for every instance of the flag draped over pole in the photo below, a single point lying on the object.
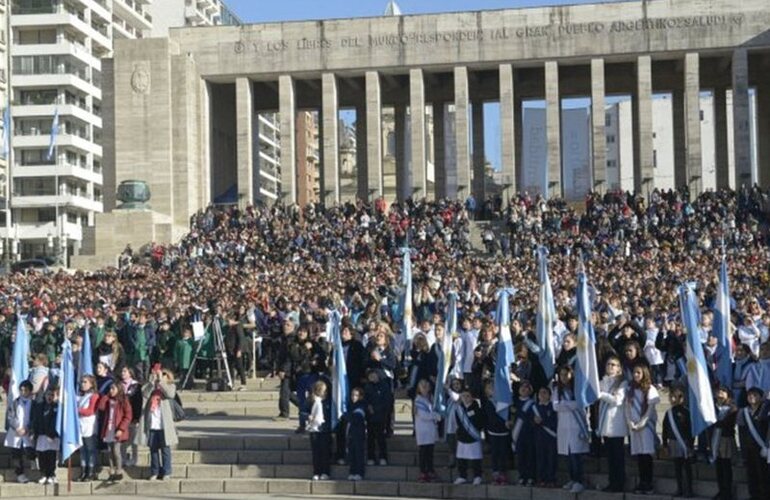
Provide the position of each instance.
(724, 353)
(406, 308)
(503, 391)
(340, 372)
(54, 135)
(67, 422)
(445, 352)
(20, 359)
(586, 367)
(545, 318)
(701, 399)
(86, 363)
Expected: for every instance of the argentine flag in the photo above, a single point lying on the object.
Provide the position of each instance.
(86, 361)
(20, 360)
(54, 135)
(725, 356)
(701, 400)
(586, 368)
(340, 391)
(67, 422)
(503, 391)
(445, 352)
(546, 316)
(406, 283)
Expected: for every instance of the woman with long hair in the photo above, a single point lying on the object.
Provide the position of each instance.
(641, 398)
(572, 427)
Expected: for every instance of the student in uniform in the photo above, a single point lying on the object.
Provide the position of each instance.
(612, 423)
(522, 435)
(18, 434)
(723, 442)
(678, 441)
(545, 422)
(470, 425)
(573, 435)
(425, 430)
(641, 418)
(450, 422)
(752, 429)
(356, 435)
(498, 435)
(46, 438)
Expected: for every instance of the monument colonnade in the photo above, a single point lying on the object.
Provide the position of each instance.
(510, 83)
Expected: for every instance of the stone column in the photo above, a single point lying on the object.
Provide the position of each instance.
(462, 133)
(508, 128)
(741, 118)
(330, 118)
(680, 138)
(403, 178)
(692, 104)
(553, 128)
(373, 134)
(644, 172)
(287, 108)
(720, 138)
(362, 169)
(439, 156)
(763, 133)
(479, 156)
(598, 126)
(244, 106)
(417, 112)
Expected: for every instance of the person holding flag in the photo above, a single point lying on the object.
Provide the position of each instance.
(67, 421)
(18, 431)
(572, 427)
(724, 355)
(545, 319)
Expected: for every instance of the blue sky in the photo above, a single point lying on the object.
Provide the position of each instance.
(256, 11)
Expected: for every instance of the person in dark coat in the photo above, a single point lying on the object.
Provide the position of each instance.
(677, 420)
(43, 424)
(379, 402)
(356, 434)
(235, 340)
(752, 429)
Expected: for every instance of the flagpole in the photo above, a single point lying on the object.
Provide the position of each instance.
(69, 474)
(9, 132)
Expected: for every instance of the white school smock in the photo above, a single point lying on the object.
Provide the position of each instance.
(567, 429)
(23, 413)
(614, 423)
(643, 440)
(652, 353)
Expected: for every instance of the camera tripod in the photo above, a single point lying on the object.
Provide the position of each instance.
(219, 353)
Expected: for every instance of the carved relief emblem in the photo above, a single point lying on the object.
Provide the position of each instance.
(140, 78)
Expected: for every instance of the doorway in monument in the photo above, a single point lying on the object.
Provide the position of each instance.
(223, 179)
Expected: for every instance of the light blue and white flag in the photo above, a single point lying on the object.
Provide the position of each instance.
(54, 135)
(724, 353)
(546, 316)
(445, 352)
(502, 384)
(701, 399)
(86, 361)
(586, 367)
(7, 131)
(67, 422)
(406, 283)
(19, 360)
(340, 391)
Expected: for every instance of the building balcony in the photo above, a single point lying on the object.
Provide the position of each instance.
(41, 141)
(48, 110)
(57, 80)
(49, 200)
(62, 47)
(62, 170)
(41, 230)
(132, 13)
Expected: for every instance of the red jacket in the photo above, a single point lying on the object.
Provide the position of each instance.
(91, 408)
(122, 417)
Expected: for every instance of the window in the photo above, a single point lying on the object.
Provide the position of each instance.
(608, 120)
(611, 139)
(654, 158)
(612, 163)
(701, 115)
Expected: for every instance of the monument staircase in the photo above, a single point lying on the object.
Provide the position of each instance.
(230, 443)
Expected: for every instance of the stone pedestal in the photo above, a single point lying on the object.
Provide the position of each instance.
(116, 229)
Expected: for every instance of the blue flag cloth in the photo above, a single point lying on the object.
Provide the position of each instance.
(445, 352)
(545, 318)
(502, 384)
(724, 352)
(340, 391)
(67, 422)
(586, 367)
(702, 410)
(86, 362)
(7, 131)
(54, 135)
(19, 360)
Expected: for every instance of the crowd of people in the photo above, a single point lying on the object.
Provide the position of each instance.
(276, 272)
